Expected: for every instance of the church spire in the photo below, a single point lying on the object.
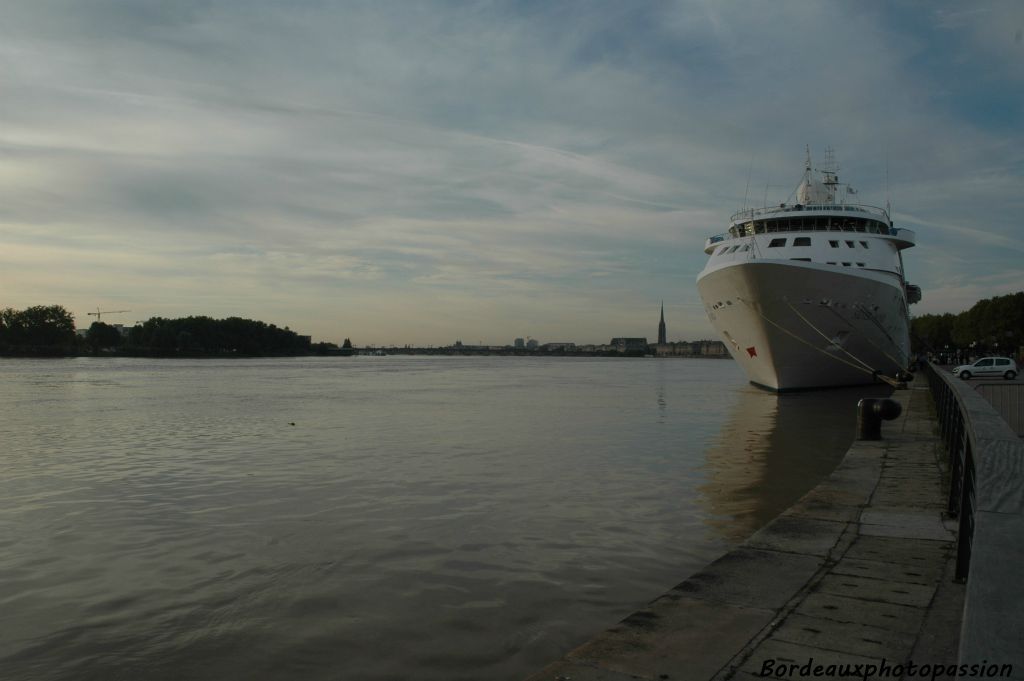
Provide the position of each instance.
(661, 326)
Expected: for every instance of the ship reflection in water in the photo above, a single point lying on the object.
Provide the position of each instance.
(773, 449)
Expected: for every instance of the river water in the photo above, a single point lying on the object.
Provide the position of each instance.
(373, 517)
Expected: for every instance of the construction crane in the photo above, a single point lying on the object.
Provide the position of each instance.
(98, 313)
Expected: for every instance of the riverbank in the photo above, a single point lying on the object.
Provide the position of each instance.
(858, 572)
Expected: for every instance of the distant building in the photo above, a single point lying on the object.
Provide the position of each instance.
(661, 326)
(519, 344)
(459, 345)
(711, 348)
(629, 344)
(681, 349)
(701, 348)
(558, 347)
(532, 344)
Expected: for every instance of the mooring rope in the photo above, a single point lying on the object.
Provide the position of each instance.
(826, 337)
(805, 342)
(891, 381)
(874, 320)
(866, 368)
(854, 329)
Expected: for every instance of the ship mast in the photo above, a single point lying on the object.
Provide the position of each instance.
(830, 172)
(807, 170)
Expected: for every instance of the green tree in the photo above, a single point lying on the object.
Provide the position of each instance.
(102, 336)
(41, 326)
(208, 336)
(933, 332)
(992, 325)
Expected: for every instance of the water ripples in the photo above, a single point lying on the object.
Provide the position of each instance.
(428, 518)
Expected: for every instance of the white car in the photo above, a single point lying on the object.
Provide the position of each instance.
(988, 367)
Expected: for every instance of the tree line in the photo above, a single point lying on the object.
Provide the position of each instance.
(994, 325)
(206, 336)
(49, 330)
(39, 330)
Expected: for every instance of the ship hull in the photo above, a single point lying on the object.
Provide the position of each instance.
(798, 326)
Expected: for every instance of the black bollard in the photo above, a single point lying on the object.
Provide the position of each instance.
(870, 413)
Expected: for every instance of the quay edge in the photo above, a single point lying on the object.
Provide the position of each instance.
(860, 570)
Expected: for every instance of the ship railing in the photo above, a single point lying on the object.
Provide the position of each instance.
(986, 473)
(902, 234)
(751, 213)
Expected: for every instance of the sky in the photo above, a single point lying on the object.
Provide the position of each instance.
(405, 172)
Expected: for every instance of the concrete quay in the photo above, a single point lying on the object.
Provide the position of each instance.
(858, 572)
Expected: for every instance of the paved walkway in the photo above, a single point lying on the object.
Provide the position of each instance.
(858, 572)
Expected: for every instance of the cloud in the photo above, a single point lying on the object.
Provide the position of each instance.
(531, 168)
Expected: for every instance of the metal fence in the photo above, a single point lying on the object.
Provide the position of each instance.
(953, 428)
(986, 495)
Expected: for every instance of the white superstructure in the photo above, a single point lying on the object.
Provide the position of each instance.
(811, 294)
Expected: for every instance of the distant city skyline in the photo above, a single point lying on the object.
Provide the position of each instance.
(417, 173)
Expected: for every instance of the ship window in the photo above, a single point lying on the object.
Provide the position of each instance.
(830, 263)
(850, 244)
(864, 244)
(860, 264)
(801, 259)
(746, 247)
(776, 243)
(802, 241)
(846, 264)
(722, 250)
(833, 244)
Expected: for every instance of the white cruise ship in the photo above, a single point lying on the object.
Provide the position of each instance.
(812, 294)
